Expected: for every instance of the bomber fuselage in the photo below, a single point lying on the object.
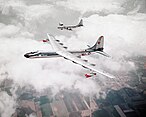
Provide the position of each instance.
(39, 54)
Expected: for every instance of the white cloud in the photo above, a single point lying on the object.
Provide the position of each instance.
(109, 6)
(89, 89)
(7, 105)
(8, 31)
(56, 73)
(30, 16)
(7, 6)
(32, 115)
(124, 36)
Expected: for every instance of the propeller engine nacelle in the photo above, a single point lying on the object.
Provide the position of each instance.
(84, 54)
(65, 47)
(57, 40)
(74, 62)
(85, 60)
(61, 43)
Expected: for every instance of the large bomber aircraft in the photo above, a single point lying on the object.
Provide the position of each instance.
(61, 26)
(74, 56)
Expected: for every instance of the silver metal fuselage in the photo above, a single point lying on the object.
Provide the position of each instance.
(39, 54)
(68, 27)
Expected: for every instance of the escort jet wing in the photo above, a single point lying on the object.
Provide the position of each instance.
(61, 26)
(74, 56)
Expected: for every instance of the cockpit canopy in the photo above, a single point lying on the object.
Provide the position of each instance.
(34, 52)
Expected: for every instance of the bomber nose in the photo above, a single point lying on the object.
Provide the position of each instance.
(26, 55)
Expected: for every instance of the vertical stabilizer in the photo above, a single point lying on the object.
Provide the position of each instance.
(98, 46)
(80, 23)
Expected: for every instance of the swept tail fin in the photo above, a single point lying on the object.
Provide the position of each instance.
(80, 23)
(98, 46)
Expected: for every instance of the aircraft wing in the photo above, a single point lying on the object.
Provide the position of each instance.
(73, 26)
(64, 53)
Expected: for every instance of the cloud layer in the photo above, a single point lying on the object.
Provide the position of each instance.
(23, 23)
(7, 104)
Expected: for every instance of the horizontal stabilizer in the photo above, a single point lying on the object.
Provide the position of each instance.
(103, 53)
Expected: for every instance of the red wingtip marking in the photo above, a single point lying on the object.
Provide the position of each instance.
(45, 40)
(87, 75)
